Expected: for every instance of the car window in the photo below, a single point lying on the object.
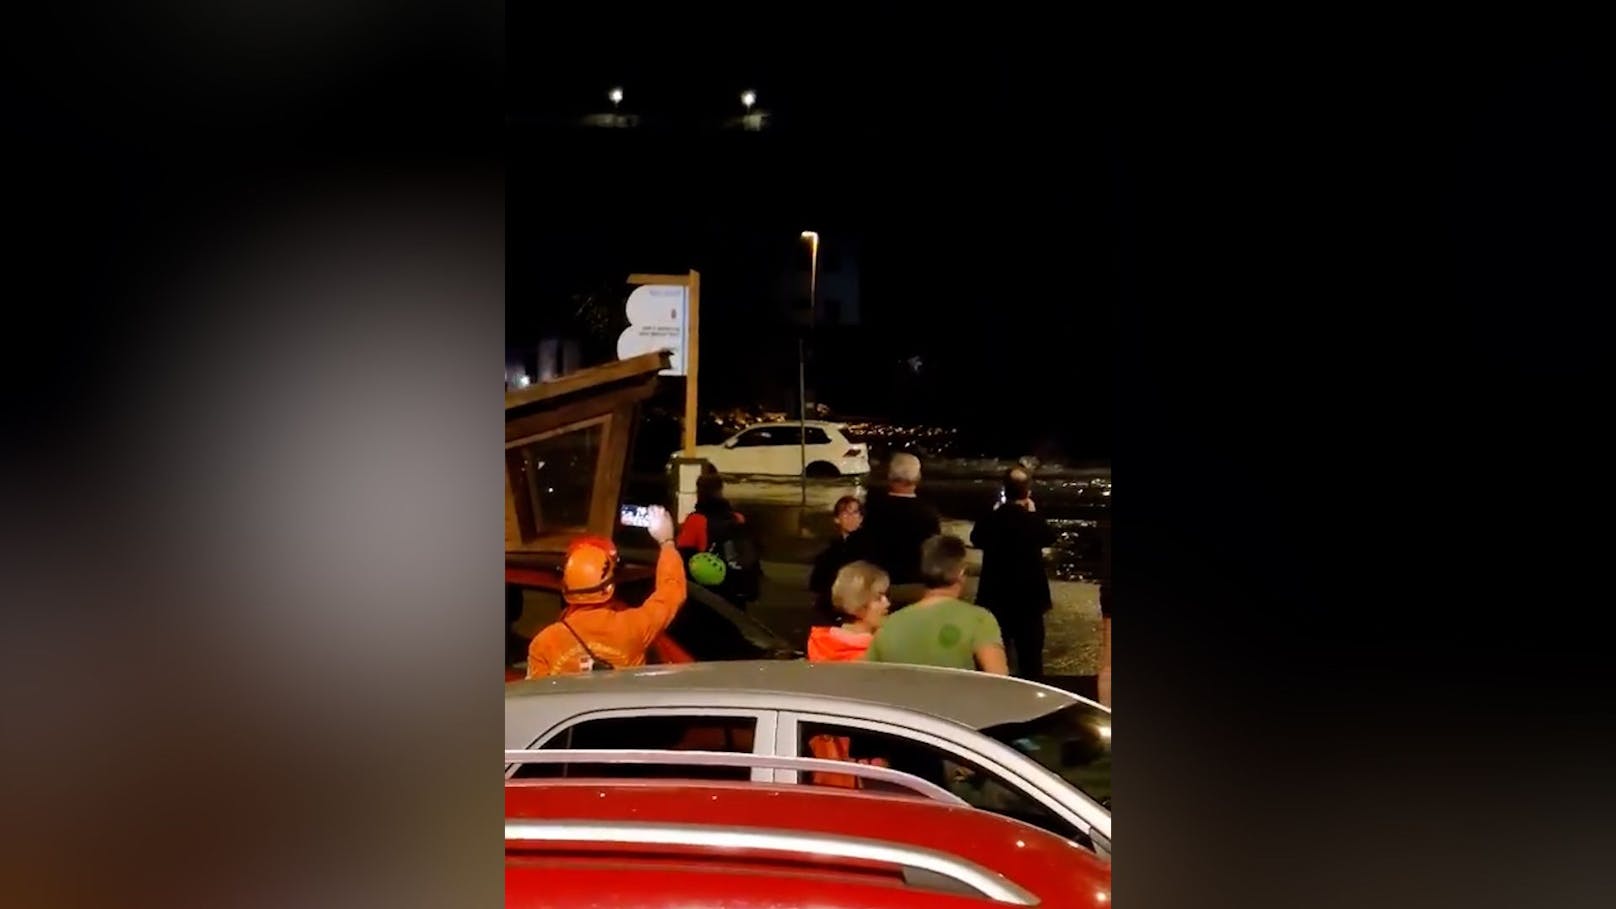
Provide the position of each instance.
(676, 732)
(1073, 742)
(772, 435)
(813, 435)
(979, 788)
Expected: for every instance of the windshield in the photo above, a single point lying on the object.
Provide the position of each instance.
(1074, 743)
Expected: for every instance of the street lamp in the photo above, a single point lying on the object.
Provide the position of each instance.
(616, 97)
(748, 98)
(802, 371)
(813, 265)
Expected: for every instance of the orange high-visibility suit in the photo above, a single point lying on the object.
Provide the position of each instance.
(616, 632)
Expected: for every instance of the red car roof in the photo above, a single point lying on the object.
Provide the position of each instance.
(1058, 872)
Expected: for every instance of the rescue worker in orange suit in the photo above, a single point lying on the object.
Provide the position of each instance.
(595, 626)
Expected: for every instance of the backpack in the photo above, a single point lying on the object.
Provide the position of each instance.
(734, 542)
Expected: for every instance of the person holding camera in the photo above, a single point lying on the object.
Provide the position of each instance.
(596, 629)
(1015, 585)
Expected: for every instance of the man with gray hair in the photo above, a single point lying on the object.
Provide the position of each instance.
(904, 470)
(896, 523)
(941, 629)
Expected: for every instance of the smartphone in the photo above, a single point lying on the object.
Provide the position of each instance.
(634, 516)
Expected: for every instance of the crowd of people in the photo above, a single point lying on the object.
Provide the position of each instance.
(888, 588)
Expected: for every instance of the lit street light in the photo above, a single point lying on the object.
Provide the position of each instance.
(813, 271)
(615, 96)
(802, 370)
(748, 98)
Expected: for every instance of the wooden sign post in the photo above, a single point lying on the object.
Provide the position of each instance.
(686, 359)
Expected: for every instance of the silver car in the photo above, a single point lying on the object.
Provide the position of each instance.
(1018, 748)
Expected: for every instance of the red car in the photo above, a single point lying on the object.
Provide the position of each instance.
(663, 843)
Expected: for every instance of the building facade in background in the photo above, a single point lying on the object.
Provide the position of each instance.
(551, 358)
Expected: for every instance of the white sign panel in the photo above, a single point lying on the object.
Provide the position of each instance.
(658, 319)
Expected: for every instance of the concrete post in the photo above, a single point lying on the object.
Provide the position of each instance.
(685, 473)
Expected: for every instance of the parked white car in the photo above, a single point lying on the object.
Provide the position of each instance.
(1029, 751)
(778, 448)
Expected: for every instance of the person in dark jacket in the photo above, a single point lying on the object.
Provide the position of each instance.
(1014, 585)
(714, 526)
(848, 515)
(895, 526)
(711, 507)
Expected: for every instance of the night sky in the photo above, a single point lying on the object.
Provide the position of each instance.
(1048, 214)
(992, 254)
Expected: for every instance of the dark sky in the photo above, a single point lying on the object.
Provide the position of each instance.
(987, 214)
(1034, 203)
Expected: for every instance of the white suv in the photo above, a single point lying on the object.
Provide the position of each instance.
(778, 448)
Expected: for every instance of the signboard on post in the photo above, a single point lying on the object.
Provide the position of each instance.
(664, 313)
(658, 319)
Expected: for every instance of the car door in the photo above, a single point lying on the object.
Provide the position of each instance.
(981, 780)
(784, 452)
(692, 728)
(724, 457)
(820, 447)
(751, 452)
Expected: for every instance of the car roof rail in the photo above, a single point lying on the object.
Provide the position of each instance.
(732, 759)
(922, 866)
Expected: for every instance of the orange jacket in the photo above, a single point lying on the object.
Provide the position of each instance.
(693, 533)
(617, 633)
(833, 645)
(828, 644)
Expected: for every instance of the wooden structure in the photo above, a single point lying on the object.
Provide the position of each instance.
(692, 353)
(566, 446)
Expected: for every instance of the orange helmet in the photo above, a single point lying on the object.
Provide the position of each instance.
(591, 567)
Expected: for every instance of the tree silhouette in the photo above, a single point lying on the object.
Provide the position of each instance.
(598, 318)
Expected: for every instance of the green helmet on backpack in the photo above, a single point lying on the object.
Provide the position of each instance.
(708, 569)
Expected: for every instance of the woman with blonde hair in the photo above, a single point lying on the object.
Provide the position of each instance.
(859, 594)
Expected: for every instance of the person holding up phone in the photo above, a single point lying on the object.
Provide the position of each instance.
(1015, 584)
(597, 630)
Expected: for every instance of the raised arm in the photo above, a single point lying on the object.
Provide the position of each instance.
(658, 611)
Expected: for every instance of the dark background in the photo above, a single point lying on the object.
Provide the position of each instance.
(988, 206)
(1358, 390)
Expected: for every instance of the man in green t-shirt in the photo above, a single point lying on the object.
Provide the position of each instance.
(941, 629)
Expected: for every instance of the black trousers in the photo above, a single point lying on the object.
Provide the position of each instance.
(1024, 645)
